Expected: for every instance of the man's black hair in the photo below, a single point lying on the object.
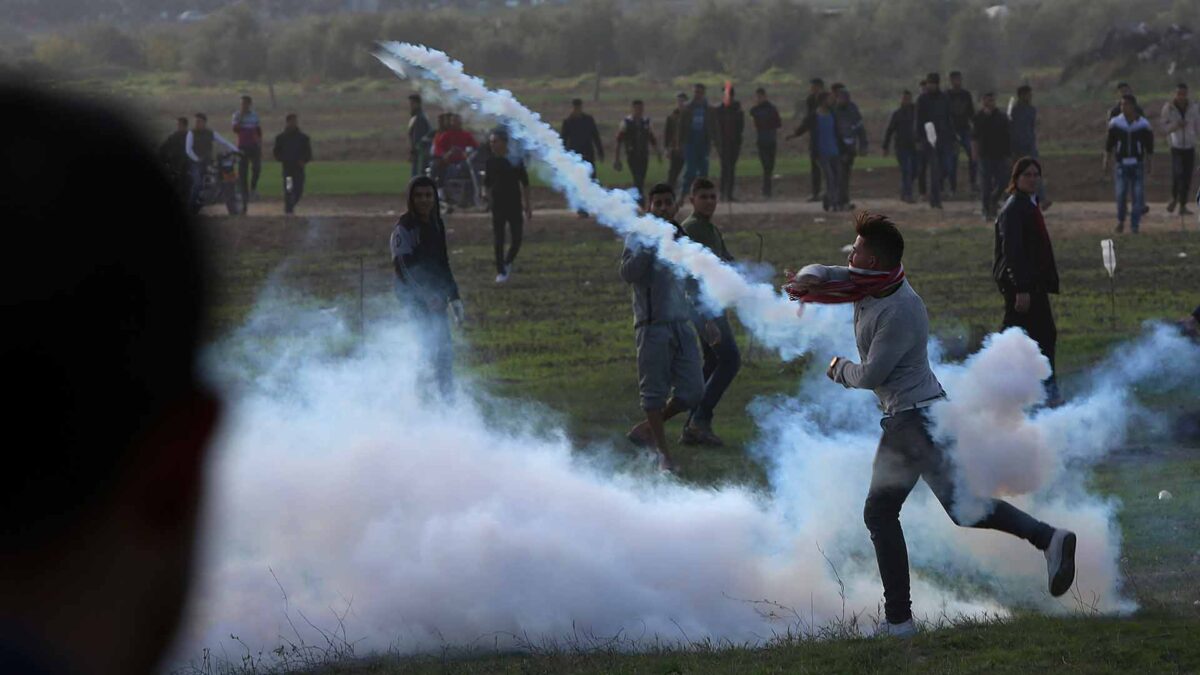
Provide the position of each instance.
(817, 81)
(702, 183)
(906, 93)
(1123, 85)
(881, 236)
(202, 116)
(955, 73)
(681, 96)
(836, 87)
(500, 133)
(1024, 89)
(987, 94)
(102, 323)
(1130, 98)
(933, 78)
(1181, 85)
(638, 101)
(658, 189)
(416, 98)
(761, 90)
(247, 99)
(182, 120)
(290, 117)
(577, 102)
(699, 85)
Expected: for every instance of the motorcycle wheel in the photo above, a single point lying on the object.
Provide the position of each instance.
(233, 201)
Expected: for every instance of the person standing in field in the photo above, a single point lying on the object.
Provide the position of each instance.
(901, 126)
(933, 113)
(669, 366)
(507, 184)
(673, 140)
(1023, 128)
(766, 127)
(636, 137)
(581, 136)
(822, 128)
(852, 135)
(172, 154)
(420, 136)
(962, 113)
(1181, 123)
(891, 328)
(248, 129)
(991, 148)
(816, 87)
(722, 360)
(425, 284)
(731, 125)
(1130, 141)
(697, 135)
(1024, 267)
(921, 162)
(293, 149)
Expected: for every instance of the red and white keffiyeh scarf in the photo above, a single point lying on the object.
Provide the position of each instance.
(861, 284)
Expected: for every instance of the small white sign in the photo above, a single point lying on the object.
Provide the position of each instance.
(1110, 256)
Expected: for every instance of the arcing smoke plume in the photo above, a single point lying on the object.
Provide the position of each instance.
(415, 526)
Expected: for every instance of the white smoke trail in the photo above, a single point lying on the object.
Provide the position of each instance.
(765, 312)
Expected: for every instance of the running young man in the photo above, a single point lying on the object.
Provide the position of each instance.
(722, 360)
(507, 184)
(668, 355)
(891, 327)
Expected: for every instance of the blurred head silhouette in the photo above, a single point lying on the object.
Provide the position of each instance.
(108, 425)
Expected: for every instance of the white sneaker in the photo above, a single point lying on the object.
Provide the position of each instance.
(903, 631)
(501, 278)
(1060, 561)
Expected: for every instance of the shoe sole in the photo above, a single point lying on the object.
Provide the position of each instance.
(1065, 576)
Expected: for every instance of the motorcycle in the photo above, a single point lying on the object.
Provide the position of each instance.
(220, 185)
(460, 182)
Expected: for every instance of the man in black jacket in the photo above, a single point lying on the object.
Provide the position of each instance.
(901, 126)
(766, 129)
(933, 108)
(1024, 267)
(962, 114)
(294, 150)
(990, 149)
(425, 284)
(173, 155)
(731, 125)
(816, 87)
(1130, 141)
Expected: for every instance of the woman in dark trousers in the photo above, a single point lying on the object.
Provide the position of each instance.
(1024, 267)
(425, 285)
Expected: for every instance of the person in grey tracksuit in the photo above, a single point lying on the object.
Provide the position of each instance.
(670, 369)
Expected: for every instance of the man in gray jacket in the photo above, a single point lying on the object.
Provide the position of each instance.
(668, 355)
(891, 328)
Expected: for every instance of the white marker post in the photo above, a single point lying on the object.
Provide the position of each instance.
(1109, 254)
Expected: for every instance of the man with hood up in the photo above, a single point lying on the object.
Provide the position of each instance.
(424, 283)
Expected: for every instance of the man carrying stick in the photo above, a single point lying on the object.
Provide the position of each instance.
(891, 327)
(668, 356)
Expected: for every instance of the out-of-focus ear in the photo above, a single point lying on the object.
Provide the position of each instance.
(166, 475)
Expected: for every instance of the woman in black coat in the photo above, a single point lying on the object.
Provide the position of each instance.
(1024, 266)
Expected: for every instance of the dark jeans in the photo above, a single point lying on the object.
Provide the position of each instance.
(1183, 162)
(674, 169)
(515, 220)
(766, 155)
(907, 159)
(196, 184)
(814, 168)
(437, 346)
(940, 160)
(1038, 323)
(295, 171)
(729, 158)
(922, 163)
(847, 165)
(1130, 180)
(907, 452)
(251, 160)
(963, 138)
(637, 167)
(721, 365)
(831, 169)
(695, 165)
(993, 177)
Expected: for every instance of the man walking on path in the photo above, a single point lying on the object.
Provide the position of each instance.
(293, 150)
(722, 360)
(199, 149)
(636, 137)
(766, 127)
(420, 136)
(901, 126)
(249, 140)
(935, 135)
(1131, 141)
(731, 124)
(962, 112)
(1181, 123)
(990, 151)
(852, 135)
(816, 87)
(822, 128)
(891, 328)
(697, 135)
(1023, 126)
(672, 139)
(670, 374)
(172, 154)
(581, 135)
(508, 196)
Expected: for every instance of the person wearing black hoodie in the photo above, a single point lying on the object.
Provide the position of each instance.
(425, 285)
(731, 124)
(293, 149)
(173, 156)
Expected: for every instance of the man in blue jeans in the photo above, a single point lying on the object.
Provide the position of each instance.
(891, 328)
(722, 360)
(698, 132)
(901, 127)
(933, 109)
(1130, 142)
